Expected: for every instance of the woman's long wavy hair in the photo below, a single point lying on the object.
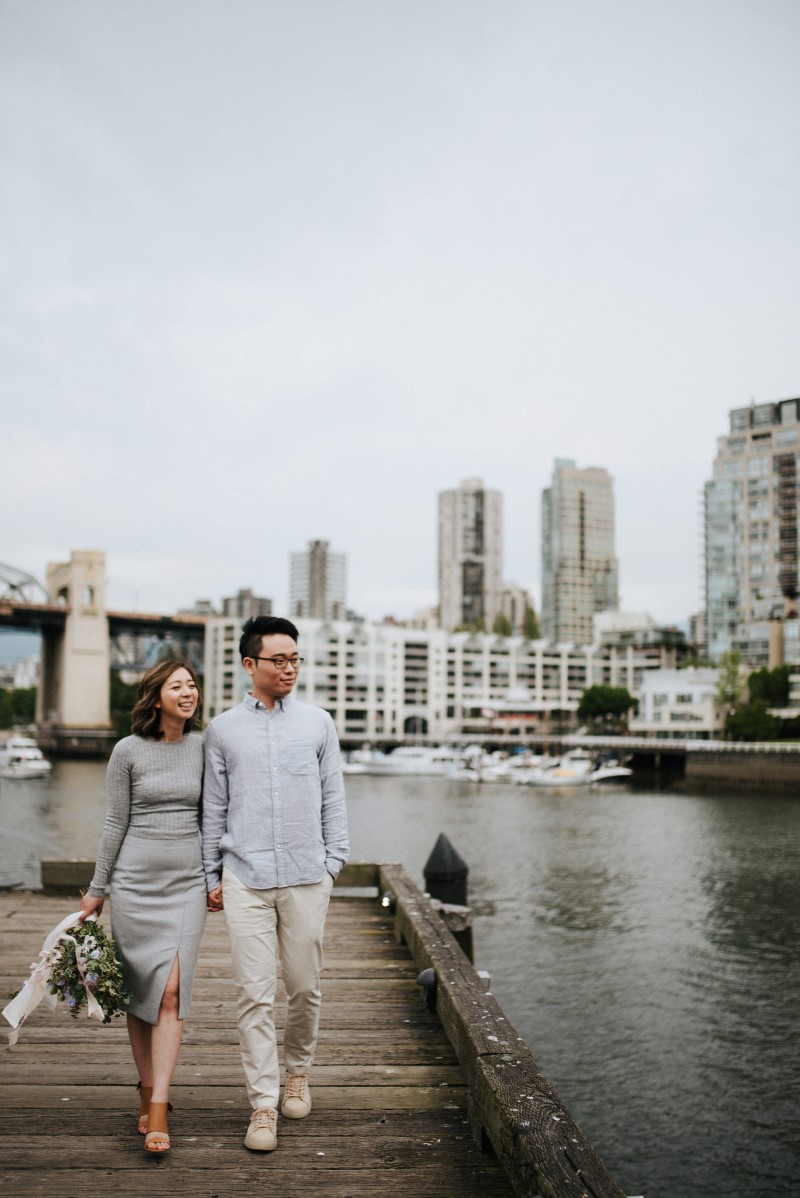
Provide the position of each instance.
(146, 714)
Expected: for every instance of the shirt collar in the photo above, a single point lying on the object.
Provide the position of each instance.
(254, 704)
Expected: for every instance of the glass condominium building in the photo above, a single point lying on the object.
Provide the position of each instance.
(751, 518)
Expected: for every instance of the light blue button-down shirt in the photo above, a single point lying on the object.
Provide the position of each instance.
(273, 795)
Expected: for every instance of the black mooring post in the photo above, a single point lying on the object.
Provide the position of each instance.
(446, 873)
(446, 876)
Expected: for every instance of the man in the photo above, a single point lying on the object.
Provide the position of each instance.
(274, 840)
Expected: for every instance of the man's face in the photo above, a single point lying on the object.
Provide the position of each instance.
(271, 681)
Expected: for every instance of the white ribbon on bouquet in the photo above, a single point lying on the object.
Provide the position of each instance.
(37, 986)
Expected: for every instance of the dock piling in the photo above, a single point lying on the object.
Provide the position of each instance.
(446, 875)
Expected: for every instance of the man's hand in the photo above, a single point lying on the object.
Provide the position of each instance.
(215, 902)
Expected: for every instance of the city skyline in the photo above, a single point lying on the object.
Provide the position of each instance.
(273, 273)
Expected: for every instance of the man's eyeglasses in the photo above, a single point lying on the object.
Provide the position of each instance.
(280, 662)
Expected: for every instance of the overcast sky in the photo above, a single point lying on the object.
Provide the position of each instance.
(282, 271)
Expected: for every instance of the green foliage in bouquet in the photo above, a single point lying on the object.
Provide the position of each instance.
(86, 959)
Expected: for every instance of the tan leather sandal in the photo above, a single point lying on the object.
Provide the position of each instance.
(145, 1094)
(157, 1137)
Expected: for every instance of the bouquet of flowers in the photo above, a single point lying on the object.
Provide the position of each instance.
(77, 965)
(83, 965)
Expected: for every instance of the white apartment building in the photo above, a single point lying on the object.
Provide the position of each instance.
(470, 555)
(318, 583)
(751, 527)
(26, 673)
(386, 680)
(678, 704)
(579, 569)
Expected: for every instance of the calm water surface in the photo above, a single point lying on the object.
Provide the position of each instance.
(645, 944)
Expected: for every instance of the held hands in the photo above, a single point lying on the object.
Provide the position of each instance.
(91, 905)
(215, 902)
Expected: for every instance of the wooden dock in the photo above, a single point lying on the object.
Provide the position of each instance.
(403, 1095)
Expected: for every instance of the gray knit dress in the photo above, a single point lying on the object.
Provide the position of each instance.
(149, 860)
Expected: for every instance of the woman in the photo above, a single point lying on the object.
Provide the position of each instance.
(149, 858)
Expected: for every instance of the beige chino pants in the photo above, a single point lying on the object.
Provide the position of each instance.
(266, 927)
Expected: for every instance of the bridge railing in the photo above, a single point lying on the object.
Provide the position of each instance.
(650, 744)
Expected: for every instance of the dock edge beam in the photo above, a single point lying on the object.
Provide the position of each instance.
(541, 1147)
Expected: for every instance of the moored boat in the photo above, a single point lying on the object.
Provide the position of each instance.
(21, 757)
(412, 760)
(576, 768)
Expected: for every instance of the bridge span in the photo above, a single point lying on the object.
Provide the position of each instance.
(81, 642)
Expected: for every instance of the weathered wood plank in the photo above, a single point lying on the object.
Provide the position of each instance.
(227, 1072)
(164, 1177)
(362, 1098)
(65, 876)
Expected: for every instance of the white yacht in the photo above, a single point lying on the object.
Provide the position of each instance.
(576, 768)
(413, 759)
(21, 757)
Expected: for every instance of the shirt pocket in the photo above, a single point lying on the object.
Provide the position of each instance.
(301, 758)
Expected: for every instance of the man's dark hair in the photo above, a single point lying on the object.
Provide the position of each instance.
(258, 626)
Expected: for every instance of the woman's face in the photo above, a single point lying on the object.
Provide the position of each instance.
(178, 696)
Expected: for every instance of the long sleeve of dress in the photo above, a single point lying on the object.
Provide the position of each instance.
(118, 811)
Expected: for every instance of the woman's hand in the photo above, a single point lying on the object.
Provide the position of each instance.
(215, 902)
(91, 904)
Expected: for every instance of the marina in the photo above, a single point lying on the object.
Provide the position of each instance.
(471, 763)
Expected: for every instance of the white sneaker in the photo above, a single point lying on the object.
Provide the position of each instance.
(261, 1135)
(296, 1096)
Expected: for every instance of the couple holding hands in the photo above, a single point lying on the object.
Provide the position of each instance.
(268, 780)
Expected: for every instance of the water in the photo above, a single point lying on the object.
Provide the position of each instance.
(644, 943)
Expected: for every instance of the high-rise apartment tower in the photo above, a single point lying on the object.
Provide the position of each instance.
(317, 583)
(470, 555)
(751, 523)
(246, 606)
(579, 569)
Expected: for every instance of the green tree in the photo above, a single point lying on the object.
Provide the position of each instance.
(17, 706)
(530, 625)
(6, 709)
(770, 685)
(122, 697)
(606, 705)
(475, 627)
(731, 686)
(502, 625)
(23, 702)
(752, 721)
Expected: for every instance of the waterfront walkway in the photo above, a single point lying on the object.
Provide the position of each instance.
(390, 1099)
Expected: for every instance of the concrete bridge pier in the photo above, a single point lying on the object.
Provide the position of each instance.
(72, 702)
